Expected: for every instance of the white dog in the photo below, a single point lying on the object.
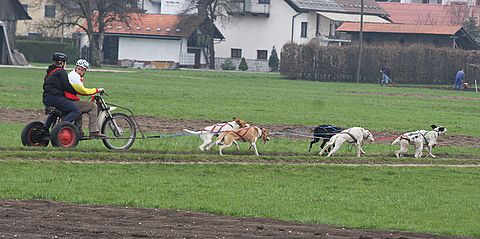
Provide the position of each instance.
(419, 139)
(355, 136)
(208, 132)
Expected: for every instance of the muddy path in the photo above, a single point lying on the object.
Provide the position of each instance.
(152, 124)
(47, 219)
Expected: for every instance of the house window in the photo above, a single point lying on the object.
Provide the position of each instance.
(25, 7)
(477, 2)
(50, 11)
(303, 32)
(236, 53)
(439, 1)
(262, 54)
(264, 1)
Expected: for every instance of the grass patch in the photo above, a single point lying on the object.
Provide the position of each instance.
(435, 200)
(260, 98)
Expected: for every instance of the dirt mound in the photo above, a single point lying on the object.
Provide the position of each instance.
(45, 219)
(164, 125)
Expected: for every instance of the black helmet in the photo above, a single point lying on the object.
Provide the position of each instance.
(58, 56)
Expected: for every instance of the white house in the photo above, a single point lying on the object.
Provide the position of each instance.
(162, 6)
(259, 25)
(158, 40)
(445, 2)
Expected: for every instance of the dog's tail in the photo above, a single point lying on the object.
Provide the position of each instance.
(220, 138)
(397, 140)
(192, 132)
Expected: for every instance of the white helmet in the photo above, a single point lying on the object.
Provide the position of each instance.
(83, 63)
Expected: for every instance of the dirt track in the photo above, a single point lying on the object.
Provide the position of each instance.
(44, 219)
(159, 124)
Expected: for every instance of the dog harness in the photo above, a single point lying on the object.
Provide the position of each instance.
(355, 140)
(221, 127)
(242, 135)
(414, 135)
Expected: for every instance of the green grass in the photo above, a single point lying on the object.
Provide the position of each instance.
(10, 138)
(262, 99)
(436, 200)
(441, 200)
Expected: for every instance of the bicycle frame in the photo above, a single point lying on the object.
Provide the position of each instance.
(104, 114)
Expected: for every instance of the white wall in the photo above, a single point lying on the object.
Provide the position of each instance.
(163, 6)
(151, 7)
(142, 49)
(252, 33)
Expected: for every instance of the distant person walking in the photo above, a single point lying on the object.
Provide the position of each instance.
(385, 75)
(459, 79)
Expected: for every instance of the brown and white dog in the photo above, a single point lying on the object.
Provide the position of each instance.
(208, 132)
(248, 134)
(354, 135)
(419, 139)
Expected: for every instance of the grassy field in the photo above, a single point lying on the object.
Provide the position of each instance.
(263, 99)
(441, 200)
(410, 199)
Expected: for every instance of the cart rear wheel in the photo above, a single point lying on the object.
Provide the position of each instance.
(65, 134)
(120, 131)
(33, 135)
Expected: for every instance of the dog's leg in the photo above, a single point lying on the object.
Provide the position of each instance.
(254, 145)
(207, 139)
(337, 146)
(315, 140)
(328, 144)
(403, 148)
(430, 151)
(224, 146)
(418, 149)
(359, 150)
(324, 149)
(324, 141)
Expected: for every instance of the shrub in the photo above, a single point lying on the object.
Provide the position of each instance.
(417, 64)
(273, 60)
(228, 65)
(243, 65)
(41, 51)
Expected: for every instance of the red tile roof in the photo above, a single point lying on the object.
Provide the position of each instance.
(156, 25)
(399, 28)
(428, 14)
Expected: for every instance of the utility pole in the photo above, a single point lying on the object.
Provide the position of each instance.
(360, 42)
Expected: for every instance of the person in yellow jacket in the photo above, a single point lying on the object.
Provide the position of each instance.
(76, 80)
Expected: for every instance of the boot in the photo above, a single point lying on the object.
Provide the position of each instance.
(97, 135)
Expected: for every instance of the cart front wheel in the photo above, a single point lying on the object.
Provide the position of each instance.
(120, 131)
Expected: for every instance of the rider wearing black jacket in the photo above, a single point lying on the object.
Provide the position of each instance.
(54, 85)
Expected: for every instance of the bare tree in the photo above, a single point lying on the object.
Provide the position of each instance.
(211, 11)
(93, 16)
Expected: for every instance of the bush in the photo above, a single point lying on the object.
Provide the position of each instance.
(41, 51)
(417, 64)
(273, 60)
(228, 65)
(243, 65)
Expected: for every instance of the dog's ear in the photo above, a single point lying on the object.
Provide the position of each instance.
(433, 126)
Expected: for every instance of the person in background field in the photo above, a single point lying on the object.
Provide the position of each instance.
(459, 77)
(55, 85)
(76, 80)
(385, 75)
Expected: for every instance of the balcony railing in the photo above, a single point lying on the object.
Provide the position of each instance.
(253, 7)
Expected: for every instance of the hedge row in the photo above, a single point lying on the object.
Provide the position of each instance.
(41, 51)
(412, 64)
